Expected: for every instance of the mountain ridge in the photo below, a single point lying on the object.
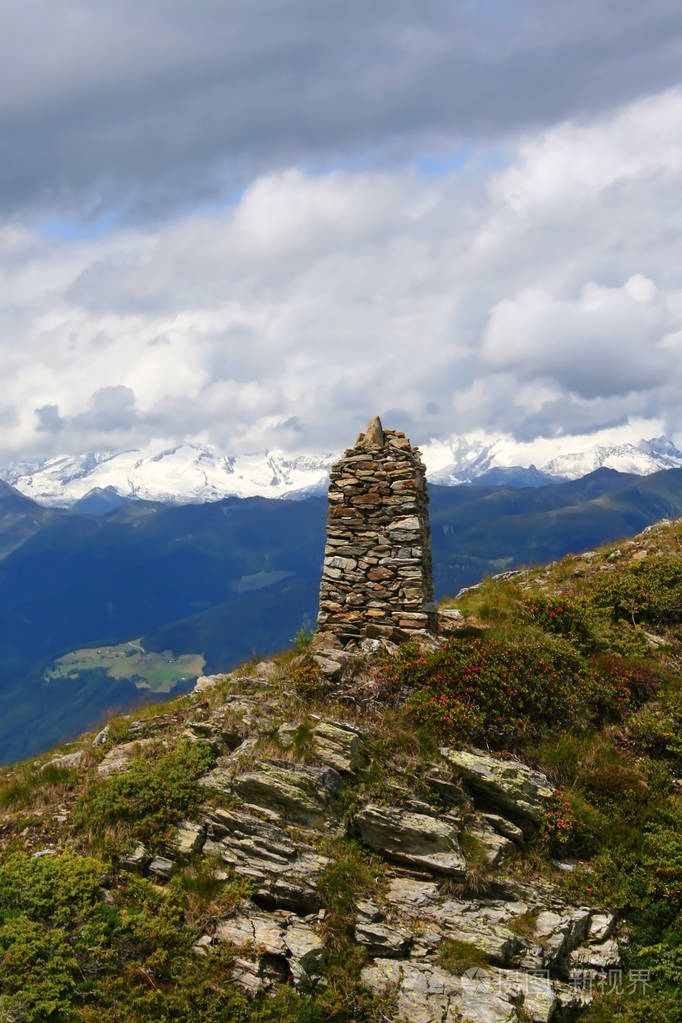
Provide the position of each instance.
(70, 579)
(191, 474)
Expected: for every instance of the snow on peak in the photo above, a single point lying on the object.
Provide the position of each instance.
(463, 459)
(185, 474)
(192, 474)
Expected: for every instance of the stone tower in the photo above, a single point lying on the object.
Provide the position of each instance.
(377, 579)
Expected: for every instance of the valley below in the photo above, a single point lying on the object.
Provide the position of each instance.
(235, 579)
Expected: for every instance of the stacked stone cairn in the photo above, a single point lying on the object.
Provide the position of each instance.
(377, 580)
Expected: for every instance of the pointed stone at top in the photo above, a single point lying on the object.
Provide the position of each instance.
(374, 434)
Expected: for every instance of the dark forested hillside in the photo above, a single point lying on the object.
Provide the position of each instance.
(240, 577)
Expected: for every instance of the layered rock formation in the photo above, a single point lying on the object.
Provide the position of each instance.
(445, 881)
(377, 579)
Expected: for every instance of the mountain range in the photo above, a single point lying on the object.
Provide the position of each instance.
(84, 597)
(190, 474)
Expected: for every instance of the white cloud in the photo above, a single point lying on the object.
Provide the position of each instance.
(541, 300)
(606, 342)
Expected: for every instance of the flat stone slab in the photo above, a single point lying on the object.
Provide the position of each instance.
(425, 993)
(301, 795)
(414, 839)
(514, 787)
(339, 746)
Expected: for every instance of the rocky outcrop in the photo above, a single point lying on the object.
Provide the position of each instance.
(272, 947)
(505, 784)
(120, 757)
(430, 994)
(415, 839)
(377, 575)
(284, 868)
(449, 932)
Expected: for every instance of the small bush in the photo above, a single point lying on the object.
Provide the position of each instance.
(649, 590)
(503, 692)
(560, 831)
(657, 727)
(152, 795)
(570, 619)
(458, 956)
(642, 679)
(308, 680)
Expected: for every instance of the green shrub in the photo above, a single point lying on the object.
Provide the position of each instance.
(641, 678)
(620, 637)
(154, 793)
(649, 590)
(501, 691)
(570, 619)
(657, 727)
(308, 680)
(561, 832)
(458, 956)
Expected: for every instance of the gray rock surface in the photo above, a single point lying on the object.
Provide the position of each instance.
(275, 945)
(515, 788)
(285, 870)
(382, 939)
(187, 838)
(414, 839)
(339, 746)
(162, 867)
(136, 860)
(301, 795)
(68, 761)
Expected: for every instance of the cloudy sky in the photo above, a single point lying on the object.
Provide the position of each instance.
(256, 223)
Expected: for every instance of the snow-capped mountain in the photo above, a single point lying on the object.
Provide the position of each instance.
(185, 474)
(642, 458)
(463, 460)
(189, 474)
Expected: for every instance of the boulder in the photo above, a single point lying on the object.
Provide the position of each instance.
(505, 827)
(339, 746)
(304, 953)
(558, 932)
(68, 761)
(119, 758)
(252, 930)
(496, 848)
(601, 926)
(203, 945)
(207, 682)
(603, 956)
(515, 788)
(382, 939)
(412, 895)
(187, 838)
(425, 993)
(162, 867)
(102, 737)
(414, 839)
(330, 661)
(301, 795)
(136, 860)
(276, 946)
(368, 912)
